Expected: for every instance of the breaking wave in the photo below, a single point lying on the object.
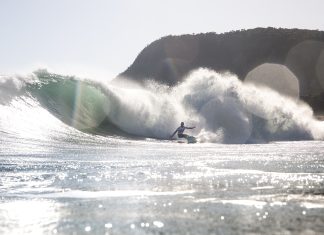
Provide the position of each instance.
(223, 109)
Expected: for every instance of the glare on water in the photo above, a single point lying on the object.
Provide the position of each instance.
(154, 186)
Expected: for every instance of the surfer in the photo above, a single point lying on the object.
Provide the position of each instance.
(180, 131)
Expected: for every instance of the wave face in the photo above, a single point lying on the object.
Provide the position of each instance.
(223, 109)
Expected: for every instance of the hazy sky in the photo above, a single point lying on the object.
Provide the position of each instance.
(101, 38)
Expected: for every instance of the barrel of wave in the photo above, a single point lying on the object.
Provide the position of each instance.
(78, 103)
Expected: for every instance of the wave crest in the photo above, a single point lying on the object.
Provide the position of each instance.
(223, 109)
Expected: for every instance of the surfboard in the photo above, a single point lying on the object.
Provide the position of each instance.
(187, 140)
(191, 140)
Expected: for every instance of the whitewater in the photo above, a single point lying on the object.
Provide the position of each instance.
(80, 156)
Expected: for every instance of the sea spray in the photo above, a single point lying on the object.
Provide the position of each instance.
(14, 86)
(213, 99)
(223, 109)
(141, 112)
(245, 112)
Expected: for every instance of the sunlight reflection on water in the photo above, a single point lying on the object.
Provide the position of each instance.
(28, 217)
(152, 188)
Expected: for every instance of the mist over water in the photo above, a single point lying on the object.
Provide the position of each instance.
(223, 109)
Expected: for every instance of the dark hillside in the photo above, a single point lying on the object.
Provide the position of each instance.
(169, 59)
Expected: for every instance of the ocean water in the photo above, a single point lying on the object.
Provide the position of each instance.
(84, 157)
(145, 187)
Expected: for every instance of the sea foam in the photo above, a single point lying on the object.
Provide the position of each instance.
(221, 107)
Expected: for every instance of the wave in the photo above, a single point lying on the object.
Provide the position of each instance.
(223, 109)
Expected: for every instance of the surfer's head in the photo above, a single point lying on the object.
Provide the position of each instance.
(182, 123)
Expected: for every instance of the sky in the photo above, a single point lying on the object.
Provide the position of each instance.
(101, 38)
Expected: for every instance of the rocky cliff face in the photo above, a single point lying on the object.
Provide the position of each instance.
(169, 59)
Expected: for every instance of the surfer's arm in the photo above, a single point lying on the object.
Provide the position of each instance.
(174, 133)
(190, 127)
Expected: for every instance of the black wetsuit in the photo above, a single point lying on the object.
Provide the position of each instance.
(180, 131)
